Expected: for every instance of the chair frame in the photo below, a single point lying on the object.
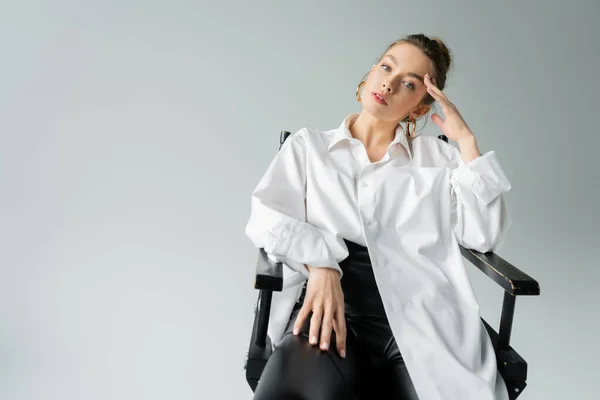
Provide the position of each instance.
(512, 367)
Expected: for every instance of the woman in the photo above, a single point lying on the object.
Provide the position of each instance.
(368, 219)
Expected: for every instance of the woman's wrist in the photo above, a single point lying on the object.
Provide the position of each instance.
(469, 149)
(322, 269)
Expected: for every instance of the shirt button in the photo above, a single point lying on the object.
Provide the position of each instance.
(367, 222)
(365, 184)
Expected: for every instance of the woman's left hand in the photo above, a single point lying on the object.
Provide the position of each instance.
(454, 126)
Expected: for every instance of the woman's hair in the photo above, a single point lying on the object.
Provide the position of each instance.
(436, 51)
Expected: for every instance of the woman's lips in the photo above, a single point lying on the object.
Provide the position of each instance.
(378, 99)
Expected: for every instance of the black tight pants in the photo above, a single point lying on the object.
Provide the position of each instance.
(373, 367)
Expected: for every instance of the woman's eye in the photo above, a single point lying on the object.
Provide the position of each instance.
(409, 85)
(385, 66)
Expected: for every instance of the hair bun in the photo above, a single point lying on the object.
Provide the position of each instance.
(444, 50)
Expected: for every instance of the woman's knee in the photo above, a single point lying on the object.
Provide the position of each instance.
(299, 370)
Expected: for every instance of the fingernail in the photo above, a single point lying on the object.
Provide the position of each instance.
(295, 330)
(313, 340)
(343, 353)
(324, 346)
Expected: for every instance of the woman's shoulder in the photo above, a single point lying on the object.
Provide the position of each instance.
(306, 132)
(314, 136)
(307, 141)
(436, 149)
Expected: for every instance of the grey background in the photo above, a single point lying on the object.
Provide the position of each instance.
(132, 135)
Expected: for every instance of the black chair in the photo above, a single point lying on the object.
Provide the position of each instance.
(512, 367)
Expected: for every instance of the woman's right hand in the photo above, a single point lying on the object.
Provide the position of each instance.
(324, 297)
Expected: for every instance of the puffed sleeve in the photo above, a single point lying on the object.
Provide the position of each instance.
(278, 214)
(480, 216)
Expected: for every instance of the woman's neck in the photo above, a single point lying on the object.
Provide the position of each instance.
(373, 132)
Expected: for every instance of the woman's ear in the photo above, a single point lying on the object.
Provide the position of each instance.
(420, 111)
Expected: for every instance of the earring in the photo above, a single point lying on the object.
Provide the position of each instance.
(360, 85)
(411, 121)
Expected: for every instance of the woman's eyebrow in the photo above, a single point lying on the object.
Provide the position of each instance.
(414, 75)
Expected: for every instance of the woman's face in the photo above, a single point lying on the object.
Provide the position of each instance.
(398, 77)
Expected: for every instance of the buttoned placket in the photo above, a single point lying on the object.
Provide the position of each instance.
(365, 191)
(365, 200)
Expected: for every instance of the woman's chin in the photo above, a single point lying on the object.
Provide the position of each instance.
(380, 111)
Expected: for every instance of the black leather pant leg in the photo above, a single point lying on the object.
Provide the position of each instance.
(373, 367)
(395, 374)
(298, 370)
(384, 374)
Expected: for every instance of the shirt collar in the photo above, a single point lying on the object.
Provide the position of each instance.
(343, 133)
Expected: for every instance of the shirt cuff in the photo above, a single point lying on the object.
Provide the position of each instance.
(306, 244)
(296, 267)
(483, 175)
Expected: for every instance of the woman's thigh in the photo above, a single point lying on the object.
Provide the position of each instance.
(299, 370)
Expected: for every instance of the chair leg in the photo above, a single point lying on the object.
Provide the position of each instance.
(515, 389)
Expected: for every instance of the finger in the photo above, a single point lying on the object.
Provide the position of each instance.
(315, 325)
(326, 327)
(302, 314)
(435, 92)
(339, 325)
(428, 80)
(437, 119)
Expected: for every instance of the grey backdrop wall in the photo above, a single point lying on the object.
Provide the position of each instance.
(132, 134)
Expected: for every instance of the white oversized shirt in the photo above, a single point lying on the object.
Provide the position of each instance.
(411, 209)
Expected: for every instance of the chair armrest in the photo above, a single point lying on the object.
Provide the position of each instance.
(269, 274)
(513, 280)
